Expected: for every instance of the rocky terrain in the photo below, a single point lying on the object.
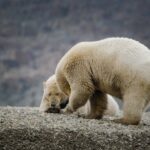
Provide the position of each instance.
(28, 129)
(35, 34)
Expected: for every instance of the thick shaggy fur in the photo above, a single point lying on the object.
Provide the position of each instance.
(117, 66)
(112, 108)
(53, 96)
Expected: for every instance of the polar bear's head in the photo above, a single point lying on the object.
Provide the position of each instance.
(53, 99)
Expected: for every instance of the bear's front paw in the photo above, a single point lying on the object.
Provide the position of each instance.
(90, 116)
(93, 116)
(120, 120)
(67, 110)
(80, 114)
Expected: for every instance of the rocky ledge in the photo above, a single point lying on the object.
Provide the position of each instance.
(27, 128)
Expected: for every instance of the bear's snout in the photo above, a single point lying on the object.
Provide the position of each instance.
(53, 104)
(53, 110)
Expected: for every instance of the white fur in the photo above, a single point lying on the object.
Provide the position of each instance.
(119, 67)
(50, 86)
(112, 108)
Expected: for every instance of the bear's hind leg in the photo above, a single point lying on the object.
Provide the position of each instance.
(134, 104)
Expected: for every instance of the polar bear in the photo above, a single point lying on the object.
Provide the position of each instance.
(111, 108)
(54, 100)
(116, 66)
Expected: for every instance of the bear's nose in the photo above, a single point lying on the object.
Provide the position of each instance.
(53, 105)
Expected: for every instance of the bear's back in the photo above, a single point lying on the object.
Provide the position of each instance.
(123, 52)
(123, 47)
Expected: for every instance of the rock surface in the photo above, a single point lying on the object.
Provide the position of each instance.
(27, 128)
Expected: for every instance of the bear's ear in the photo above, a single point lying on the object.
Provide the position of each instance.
(44, 84)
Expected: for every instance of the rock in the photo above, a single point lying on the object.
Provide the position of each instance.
(27, 128)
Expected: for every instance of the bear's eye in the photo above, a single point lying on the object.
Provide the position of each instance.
(49, 94)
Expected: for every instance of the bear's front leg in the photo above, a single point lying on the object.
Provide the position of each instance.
(66, 110)
(77, 99)
(98, 104)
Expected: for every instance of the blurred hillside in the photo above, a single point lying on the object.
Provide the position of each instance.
(35, 34)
